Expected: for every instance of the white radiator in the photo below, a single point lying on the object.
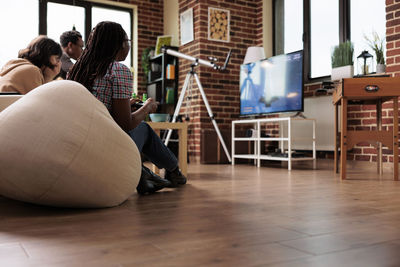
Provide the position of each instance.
(321, 109)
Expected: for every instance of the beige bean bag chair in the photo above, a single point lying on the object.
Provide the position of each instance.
(6, 100)
(59, 146)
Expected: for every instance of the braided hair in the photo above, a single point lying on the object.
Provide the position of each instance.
(102, 47)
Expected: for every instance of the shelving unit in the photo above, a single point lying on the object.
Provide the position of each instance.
(159, 81)
(286, 140)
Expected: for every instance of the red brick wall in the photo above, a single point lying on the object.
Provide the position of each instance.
(221, 89)
(392, 56)
(393, 37)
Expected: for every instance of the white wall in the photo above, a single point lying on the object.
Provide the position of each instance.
(267, 27)
(171, 20)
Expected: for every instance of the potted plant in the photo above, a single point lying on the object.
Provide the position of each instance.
(146, 55)
(377, 44)
(342, 61)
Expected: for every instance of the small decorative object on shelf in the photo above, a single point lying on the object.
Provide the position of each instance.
(159, 117)
(377, 44)
(380, 68)
(342, 61)
(365, 63)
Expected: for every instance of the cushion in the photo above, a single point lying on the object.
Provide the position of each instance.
(6, 100)
(60, 147)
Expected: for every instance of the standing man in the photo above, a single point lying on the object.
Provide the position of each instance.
(72, 46)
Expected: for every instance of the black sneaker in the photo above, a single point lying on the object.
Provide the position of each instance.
(175, 177)
(145, 187)
(155, 179)
(150, 182)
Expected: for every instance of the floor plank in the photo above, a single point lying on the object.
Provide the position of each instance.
(225, 216)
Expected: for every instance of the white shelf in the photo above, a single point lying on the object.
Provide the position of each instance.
(274, 139)
(266, 157)
(286, 138)
(245, 139)
(247, 156)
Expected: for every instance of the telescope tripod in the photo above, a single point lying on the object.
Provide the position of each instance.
(192, 73)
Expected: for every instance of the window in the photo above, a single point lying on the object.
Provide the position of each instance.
(122, 17)
(293, 25)
(324, 34)
(18, 26)
(61, 18)
(364, 22)
(53, 17)
(325, 24)
(289, 26)
(62, 15)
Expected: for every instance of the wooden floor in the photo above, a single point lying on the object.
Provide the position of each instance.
(224, 216)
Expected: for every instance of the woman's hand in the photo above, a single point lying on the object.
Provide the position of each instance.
(133, 101)
(150, 106)
(135, 104)
(50, 73)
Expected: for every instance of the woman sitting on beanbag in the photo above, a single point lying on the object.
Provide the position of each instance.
(37, 64)
(111, 82)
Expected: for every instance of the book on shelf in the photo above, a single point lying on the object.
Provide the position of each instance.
(170, 72)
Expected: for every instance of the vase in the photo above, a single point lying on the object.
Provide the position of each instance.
(342, 72)
(380, 68)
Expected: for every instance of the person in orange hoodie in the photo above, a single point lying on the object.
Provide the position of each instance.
(37, 64)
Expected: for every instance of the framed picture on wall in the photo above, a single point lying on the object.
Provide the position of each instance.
(187, 26)
(164, 40)
(218, 24)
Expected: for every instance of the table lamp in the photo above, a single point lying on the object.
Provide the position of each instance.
(253, 54)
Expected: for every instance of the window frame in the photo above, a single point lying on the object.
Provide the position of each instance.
(344, 34)
(88, 15)
(87, 5)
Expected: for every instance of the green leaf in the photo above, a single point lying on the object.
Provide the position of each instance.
(342, 54)
(146, 61)
(377, 45)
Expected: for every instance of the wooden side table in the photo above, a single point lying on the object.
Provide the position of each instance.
(369, 90)
(182, 132)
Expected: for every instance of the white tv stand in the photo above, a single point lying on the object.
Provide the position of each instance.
(286, 139)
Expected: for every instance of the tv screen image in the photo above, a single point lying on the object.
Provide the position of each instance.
(272, 85)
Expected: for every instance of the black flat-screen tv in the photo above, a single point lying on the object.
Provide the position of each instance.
(272, 85)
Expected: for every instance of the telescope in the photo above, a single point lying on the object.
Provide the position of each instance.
(197, 61)
(192, 73)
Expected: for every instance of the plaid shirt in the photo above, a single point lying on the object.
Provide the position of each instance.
(117, 84)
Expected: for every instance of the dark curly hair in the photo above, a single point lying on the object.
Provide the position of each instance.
(102, 47)
(69, 36)
(39, 51)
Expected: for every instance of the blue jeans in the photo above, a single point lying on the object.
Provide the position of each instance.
(150, 144)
